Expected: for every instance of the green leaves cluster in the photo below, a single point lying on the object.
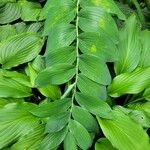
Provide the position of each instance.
(64, 96)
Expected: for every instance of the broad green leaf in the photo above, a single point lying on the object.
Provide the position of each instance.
(9, 13)
(19, 49)
(94, 19)
(94, 105)
(52, 140)
(61, 55)
(81, 135)
(12, 88)
(15, 122)
(140, 117)
(57, 122)
(56, 4)
(61, 36)
(99, 45)
(107, 5)
(144, 62)
(70, 142)
(14, 75)
(30, 11)
(103, 144)
(124, 133)
(85, 118)
(30, 141)
(129, 47)
(95, 69)
(57, 74)
(131, 83)
(94, 89)
(57, 16)
(6, 31)
(52, 108)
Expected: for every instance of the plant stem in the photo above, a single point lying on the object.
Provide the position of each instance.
(77, 54)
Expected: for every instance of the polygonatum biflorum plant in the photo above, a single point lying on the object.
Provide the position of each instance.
(88, 87)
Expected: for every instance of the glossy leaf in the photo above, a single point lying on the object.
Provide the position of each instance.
(57, 74)
(108, 6)
(49, 109)
(94, 89)
(9, 13)
(52, 140)
(97, 69)
(94, 105)
(94, 19)
(85, 118)
(103, 144)
(57, 122)
(144, 62)
(70, 142)
(129, 47)
(81, 134)
(30, 11)
(131, 83)
(19, 49)
(124, 133)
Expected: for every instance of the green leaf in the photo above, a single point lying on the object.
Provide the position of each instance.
(30, 11)
(108, 6)
(19, 49)
(99, 45)
(81, 135)
(95, 69)
(131, 83)
(94, 19)
(6, 31)
(94, 105)
(9, 87)
(30, 141)
(124, 133)
(129, 47)
(52, 140)
(69, 142)
(61, 55)
(85, 118)
(57, 122)
(103, 144)
(57, 74)
(57, 16)
(9, 13)
(51, 91)
(61, 36)
(94, 89)
(52, 108)
(144, 62)
(15, 122)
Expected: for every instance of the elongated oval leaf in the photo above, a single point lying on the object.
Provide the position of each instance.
(19, 49)
(131, 83)
(49, 109)
(94, 105)
(57, 74)
(70, 142)
(124, 133)
(81, 134)
(129, 47)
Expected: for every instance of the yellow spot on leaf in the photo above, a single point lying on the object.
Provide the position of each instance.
(96, 2)
(102, 23)
(93, 49)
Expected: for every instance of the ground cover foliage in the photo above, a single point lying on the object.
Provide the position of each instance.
(75, 74)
